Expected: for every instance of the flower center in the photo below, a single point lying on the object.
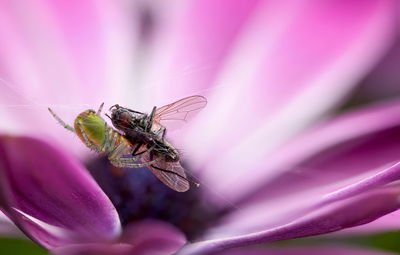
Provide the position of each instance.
(137, 194)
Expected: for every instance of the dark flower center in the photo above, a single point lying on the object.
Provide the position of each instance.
(138, 194)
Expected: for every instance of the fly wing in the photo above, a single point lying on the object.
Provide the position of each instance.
(179, 112)
(174, 175)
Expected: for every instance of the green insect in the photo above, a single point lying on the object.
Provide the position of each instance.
(98, 136)
(123, 152)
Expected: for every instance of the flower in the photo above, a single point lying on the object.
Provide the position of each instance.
(269, 69)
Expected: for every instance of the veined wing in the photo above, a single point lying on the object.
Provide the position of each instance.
(180, 111)
(171, 174)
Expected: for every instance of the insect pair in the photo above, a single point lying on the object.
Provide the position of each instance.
(140, 139)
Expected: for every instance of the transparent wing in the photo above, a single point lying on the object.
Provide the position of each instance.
(174, 175)
(179, 112)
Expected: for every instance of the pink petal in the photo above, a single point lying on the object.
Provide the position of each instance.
(343, 167)
(385, 74)
(153, 237)
(147, 237)
(336, 160)
(333, 152)
(282, 209)
(319, 250)
(335, 216)
(288, 68)
(387, 223)
(191, 46)
(350, 146)
(7, 227)
(51, 197)
(94, 249)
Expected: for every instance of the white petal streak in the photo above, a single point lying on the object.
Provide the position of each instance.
(51, 229)
(254, 43)
(243, 166)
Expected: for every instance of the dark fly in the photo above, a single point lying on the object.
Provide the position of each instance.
(148, 132)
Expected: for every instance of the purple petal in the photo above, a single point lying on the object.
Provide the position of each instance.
(93, 249)
(386, 75)
(347, 213)
(51, 197)
(319, 250)
(349, 148)
(332, 153)
(291, 67)
(387, 223)
(7, 227)
(339, 159)
(335, 165)
(147, 237)
(153, 237)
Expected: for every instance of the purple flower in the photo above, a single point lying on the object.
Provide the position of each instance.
(270, 166)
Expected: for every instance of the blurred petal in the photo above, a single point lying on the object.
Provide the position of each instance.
(51, 197)
(287, 68)
(147, 237)
(385, 74)
(349, 147)
(7, 227)
(192, 45)
(332, 154)
(339, 161)
(68, 55)
(335, 216)
(283, 209)
(341, 158)
(93, 249)
(319, 250)
(387, 223)
(153, 237)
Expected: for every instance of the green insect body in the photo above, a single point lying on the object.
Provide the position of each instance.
(94, 127)
(98, 136)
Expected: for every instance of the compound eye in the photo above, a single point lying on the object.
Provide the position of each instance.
(91, 111)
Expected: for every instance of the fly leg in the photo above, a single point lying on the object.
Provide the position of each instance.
(164, 130)
(117, 159)
(137, 148)
(131, 162)
(161, 131)
(150, 123)
(65, 125)
(135, 152)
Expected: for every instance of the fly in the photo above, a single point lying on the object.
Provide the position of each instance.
(147, 132)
